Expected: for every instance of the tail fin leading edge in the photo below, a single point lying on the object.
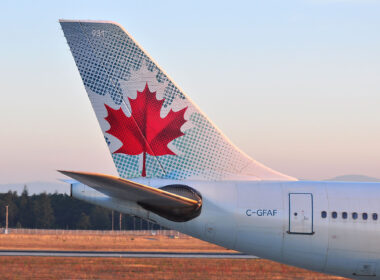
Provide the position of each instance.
(151, 127)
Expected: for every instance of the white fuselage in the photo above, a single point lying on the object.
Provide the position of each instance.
(281, 221)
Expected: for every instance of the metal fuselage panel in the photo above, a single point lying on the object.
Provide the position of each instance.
(280, 221)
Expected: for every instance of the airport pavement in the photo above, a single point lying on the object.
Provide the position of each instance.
(129, 254)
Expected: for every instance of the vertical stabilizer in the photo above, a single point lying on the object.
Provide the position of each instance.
(150, 126)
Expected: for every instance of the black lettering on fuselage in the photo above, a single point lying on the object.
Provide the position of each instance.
(261, 212)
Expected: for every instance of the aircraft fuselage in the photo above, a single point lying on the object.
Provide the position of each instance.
(330, 227)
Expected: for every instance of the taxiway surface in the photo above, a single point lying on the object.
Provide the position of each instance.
(129, 254)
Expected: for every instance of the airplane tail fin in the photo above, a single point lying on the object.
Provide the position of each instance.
(150, 126)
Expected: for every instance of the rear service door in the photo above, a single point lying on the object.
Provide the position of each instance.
(301, 213)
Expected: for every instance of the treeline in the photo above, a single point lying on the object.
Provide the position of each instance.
(60, 211)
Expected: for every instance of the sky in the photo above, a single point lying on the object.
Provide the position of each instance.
(294, 84)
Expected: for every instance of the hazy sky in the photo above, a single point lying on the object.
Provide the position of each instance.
(295, 84)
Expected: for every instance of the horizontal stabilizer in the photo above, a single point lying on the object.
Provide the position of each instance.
(166, 204)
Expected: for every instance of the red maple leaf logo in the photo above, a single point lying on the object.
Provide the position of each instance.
(145, 131)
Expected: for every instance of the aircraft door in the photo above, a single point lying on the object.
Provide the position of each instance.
(301, 213)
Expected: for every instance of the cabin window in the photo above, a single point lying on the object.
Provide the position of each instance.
(374, 216)
(354, 215)
(344, 215)
(365, 216)
(323, 214)
(334, 215)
